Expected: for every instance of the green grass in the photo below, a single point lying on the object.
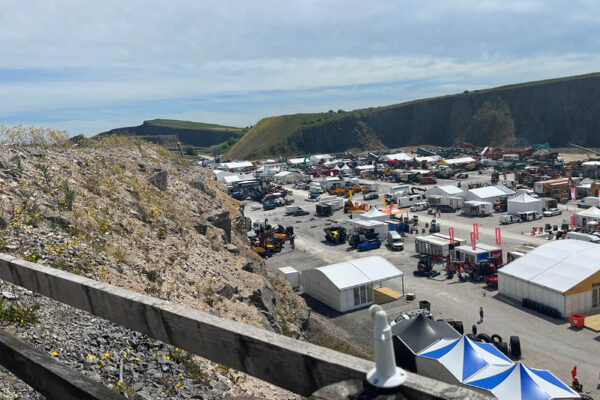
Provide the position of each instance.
(269, 137)
(172, 123)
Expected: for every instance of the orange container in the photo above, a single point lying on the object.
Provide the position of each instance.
(576, 320)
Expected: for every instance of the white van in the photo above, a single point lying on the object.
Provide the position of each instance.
(395, 241)
(506, 219)
(586, 237)
(421, 206)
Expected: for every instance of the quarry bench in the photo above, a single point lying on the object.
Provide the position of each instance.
(298, 366)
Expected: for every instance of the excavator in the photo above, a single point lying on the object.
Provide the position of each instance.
(426, 263)
(335, 234)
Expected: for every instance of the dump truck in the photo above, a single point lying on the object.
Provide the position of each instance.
(336, 234)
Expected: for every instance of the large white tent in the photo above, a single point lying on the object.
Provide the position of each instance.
(348, 285)
(524, 202)
(445, 191)
(563, 274)
(456, 360)
(374, 214)
(490, 194)
(518, 382)
(584, 217)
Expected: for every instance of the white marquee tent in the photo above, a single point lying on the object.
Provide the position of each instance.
(563, 274)
(524, 202)
(584, 217)
(348, 285)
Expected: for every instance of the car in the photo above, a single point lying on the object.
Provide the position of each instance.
(427, 180)
(509, 219)
(420, 206)
(371, 196)
(551, 212)
(462, 176)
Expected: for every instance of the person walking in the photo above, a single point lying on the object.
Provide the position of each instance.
(574, 373)
(480, 314)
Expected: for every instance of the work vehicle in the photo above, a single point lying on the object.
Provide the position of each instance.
(369, 187)
(426, 263)
(335, 234)
(395, 241)
(434, 226)
(462, 176)
(371, 196)
(509, 219)
(295, 211)
(356, 239)
(323, 210)
(491, 280)
(423, 205)
(588, 202)
(269, 205)
(427, 180)
(477, 271)
(406, 200)
(551, 212)
(529, 216)
(369, 244)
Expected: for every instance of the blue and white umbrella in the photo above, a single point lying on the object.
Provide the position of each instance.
(464, 357)
(517, 382)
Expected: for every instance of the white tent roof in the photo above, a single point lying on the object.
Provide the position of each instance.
(238, 164)
(592, 212)
(558, 265)
(283, 173)
(360, 272)
(450, 189)
(398, 157)
(491, 191)
(373, 213)
(462, 160)
(524, 198)
(346, 168)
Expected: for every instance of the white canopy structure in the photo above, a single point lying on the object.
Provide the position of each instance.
(489, 193)
(445, 191)
(346, 170)
(459, 161)
(348, 285)
(236, 165)
(456, 360)
(375, 214)
(397, 157)
(524, 202)
(517, 382)
(584, 217)
(563, 275)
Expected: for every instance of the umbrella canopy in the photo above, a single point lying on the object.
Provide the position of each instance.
(463, 357)
(518, 382)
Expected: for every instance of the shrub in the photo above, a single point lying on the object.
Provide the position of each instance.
(69, 196)
(17, 313)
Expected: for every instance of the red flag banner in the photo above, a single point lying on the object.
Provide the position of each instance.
(572, 220)
(451, 233)
(476, 231)
(573, 195)
(473, 245)
(498, 237)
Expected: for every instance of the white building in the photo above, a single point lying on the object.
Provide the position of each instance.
(445, 191)
(397, 157)
(349, 285)
(523, 203)
(564, 275)
(490, 194)
(285, 177)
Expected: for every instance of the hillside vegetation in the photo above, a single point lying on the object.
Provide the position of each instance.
(192, 135)
(558, 111)
(125, 212)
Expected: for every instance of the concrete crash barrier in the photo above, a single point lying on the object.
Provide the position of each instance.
(297, 366)
(48, 376)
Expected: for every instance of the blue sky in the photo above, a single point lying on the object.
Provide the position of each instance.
(92, 66)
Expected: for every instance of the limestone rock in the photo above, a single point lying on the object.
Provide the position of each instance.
(222, 220)
(159, 179)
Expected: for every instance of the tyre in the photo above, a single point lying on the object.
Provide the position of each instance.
(496, 338)
(515, 347)
(586, 397)
(484, 338)
(474, 330)
(476, 277)
(471, 336)
(458, 326)
(503, 347)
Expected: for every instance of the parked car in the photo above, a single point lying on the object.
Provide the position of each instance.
(371, 196)
(530, 216)
(420, 206)
(369, 245)
(551, 212)
(509, 219)
(427, 180)
(462, 176)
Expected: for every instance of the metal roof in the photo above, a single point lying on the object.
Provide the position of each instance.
(558, 265)
(360, 272)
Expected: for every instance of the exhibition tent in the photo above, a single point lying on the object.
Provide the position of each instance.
(455, 360)
(523, 203)
(517, 382)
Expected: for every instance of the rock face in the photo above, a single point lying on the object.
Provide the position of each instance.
(222, 220)
(559, 112)
(159, 179)
(264, 300)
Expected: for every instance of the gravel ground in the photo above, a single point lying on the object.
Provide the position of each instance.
(546, 343)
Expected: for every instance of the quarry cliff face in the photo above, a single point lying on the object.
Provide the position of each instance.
(558, 111)
(127, 213)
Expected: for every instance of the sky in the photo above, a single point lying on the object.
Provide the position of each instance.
(96, 65)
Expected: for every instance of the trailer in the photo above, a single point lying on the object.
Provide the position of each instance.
(445, 203)
(474, 208)
(370, 227)
(437, 245)
(476, 264)
(403, 201)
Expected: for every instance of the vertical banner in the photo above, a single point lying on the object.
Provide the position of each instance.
(451, 233)
(476, 231)
(498, 238)
(573, 195)
(473, 245)
(572, 220)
